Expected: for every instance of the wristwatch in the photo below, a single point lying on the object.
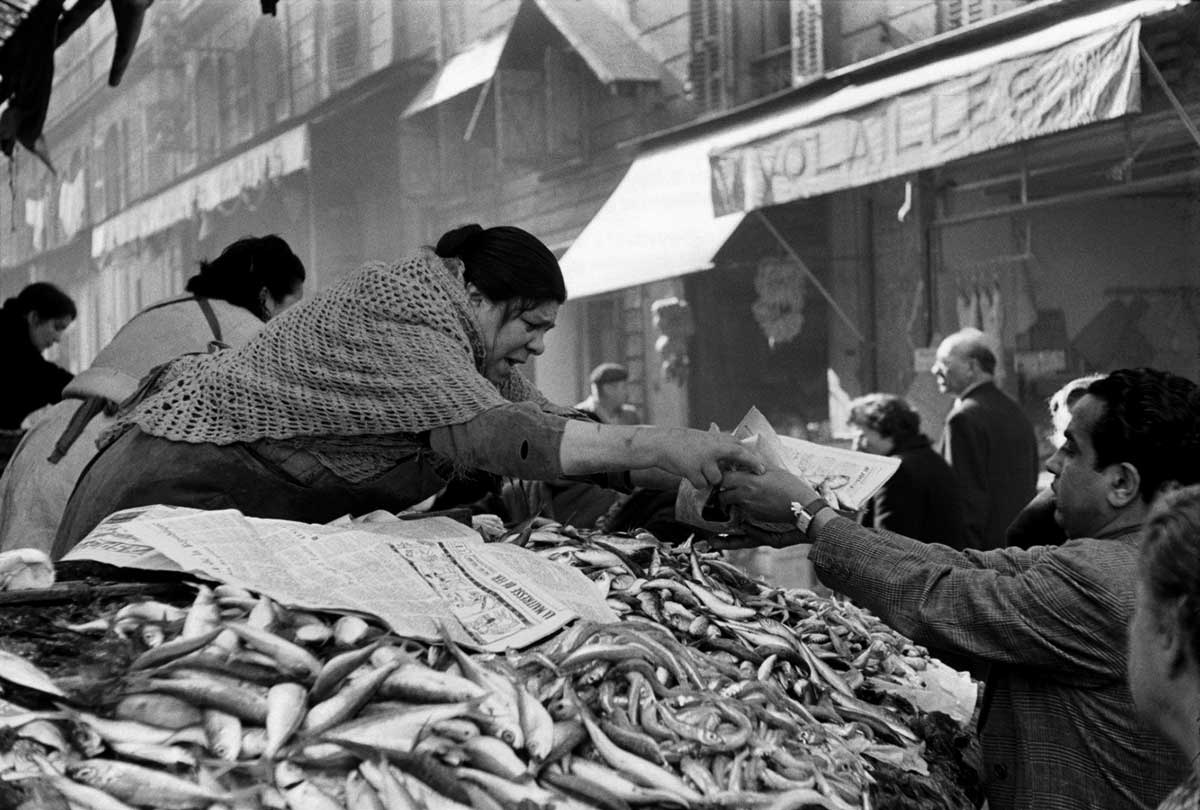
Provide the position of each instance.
(806, 512)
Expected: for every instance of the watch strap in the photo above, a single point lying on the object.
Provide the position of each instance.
(806, 512)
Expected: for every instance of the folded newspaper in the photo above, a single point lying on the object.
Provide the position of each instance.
(847, 478)
(414, 575)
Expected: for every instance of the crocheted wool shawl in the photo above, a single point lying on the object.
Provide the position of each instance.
(392, 349)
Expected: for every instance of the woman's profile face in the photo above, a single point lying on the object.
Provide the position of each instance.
(1147, 662)
(513, 341)
(45, 333)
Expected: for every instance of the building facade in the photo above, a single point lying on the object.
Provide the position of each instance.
(778, 203)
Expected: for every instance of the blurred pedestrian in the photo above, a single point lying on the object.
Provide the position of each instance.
(1164, 634)
(252, 280)
(30, 324)
(921, 499)
(609, 400)
(987, 440)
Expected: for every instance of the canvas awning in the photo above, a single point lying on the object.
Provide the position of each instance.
(658, 223)
(1078, 72)
(273, 159)
(469, 68)
(607, 49)
(679, 203)
(610, 52)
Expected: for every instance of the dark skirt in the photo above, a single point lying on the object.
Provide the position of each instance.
(139, 470)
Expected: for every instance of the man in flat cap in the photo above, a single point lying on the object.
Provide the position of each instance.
(608, 401)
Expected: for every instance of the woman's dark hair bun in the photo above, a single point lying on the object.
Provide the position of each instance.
(454, 243)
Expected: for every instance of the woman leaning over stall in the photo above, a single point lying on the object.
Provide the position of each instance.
(1164, 633)
(226, 303)
(373, 395)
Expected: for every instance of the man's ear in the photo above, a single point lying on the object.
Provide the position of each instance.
(1124, 484)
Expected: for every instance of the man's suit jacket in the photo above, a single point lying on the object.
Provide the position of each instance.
(990, 444)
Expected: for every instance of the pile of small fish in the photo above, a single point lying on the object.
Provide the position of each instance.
(712, 691)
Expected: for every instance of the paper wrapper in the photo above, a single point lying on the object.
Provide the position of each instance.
(845, 478)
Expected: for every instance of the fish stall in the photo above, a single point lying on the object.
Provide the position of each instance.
(635, 674)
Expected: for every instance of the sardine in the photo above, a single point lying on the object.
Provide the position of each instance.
(148, 787)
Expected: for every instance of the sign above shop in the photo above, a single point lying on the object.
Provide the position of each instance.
(1069, 75)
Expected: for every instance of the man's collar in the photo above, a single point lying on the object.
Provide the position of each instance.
(973, 386)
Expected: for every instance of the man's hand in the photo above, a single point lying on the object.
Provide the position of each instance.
(768, 496)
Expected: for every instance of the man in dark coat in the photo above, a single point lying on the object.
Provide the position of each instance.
(922, 498)
(988, 441)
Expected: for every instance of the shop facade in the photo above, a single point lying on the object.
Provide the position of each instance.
(1041, 187)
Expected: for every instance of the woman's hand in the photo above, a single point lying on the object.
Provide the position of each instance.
(768, 496)
(702, 457)
(697, 455)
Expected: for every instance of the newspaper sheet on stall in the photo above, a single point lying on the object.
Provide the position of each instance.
(414, 574)
(848, 477)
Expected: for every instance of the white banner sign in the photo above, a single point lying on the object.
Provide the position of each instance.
(902, 129)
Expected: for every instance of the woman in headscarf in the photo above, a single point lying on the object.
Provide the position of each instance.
(226, 303)
(30, 324)
(375, 394)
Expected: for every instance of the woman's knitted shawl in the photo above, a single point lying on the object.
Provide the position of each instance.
(392, 349)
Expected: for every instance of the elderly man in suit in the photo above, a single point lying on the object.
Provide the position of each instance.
(987, 440)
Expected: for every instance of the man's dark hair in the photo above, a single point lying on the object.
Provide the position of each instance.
(1151, 420)
(886, 414)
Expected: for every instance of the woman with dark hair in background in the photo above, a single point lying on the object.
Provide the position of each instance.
(921, 499)
(230, 298)
(30, 323)
(376, 394)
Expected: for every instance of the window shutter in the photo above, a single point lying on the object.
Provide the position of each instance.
(808, 59)
(706, 66)
(344, 45)
(960, 13)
